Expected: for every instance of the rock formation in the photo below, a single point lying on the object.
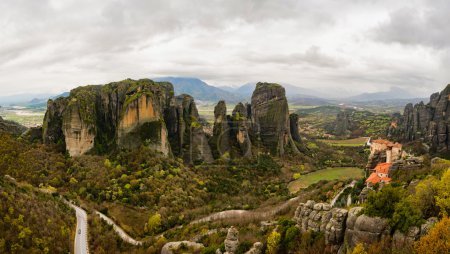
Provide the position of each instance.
(343, 228)
(342, 124)
(185, 246)
(220, 142)
(240, 128)
(364, 229)
(126, 114)
(11, 127)
(428, 123)
(320, 217)
(270, 118)
(232, 241)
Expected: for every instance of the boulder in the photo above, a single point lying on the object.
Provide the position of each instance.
(364, 229)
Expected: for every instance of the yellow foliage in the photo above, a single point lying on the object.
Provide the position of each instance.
(273, 242)
(437, 240)
(359, 249)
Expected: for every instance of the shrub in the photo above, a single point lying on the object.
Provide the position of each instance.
(383, 202)
(437, 240)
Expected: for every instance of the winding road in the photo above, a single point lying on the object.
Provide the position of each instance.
(81, 245)
(125, 237)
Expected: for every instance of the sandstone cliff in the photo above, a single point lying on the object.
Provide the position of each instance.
(428, 123)
(126, 114)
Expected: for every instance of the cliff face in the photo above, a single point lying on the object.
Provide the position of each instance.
(133, 113)
(427, 122)
(125, 114)
(270, 118)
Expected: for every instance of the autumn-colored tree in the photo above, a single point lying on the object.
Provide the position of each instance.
(437, 240)
(443, 197)
(273, 242)
(154, 223)
(359, 249)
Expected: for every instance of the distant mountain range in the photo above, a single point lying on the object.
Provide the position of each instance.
(200, 90)
(392, 94)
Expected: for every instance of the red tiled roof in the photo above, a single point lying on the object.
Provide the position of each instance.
(383, 168)
(374, 179)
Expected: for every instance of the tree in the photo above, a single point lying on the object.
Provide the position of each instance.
(383, 202)
(437, 240)
(424, 197)
(406, 215)
(273, 242)
(443, 196)
(359, 249)
(154, 223)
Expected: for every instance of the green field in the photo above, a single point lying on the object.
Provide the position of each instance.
(325, 174)
(346, 142)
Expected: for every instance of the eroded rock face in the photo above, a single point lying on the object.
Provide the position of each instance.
(126, 114)
(364, 229)
(241, 123)
(220, 143)
(257, 248)
(427, 122)
(270, 118)
(321, 217)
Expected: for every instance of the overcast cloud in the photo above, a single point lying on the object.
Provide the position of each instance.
(344, 47)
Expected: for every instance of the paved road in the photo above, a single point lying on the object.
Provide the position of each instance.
(81, 244)
(119, 230)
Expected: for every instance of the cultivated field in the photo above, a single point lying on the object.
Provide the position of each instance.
(339, 173)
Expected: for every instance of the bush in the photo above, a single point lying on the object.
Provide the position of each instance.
(406, 215)
(383, 202)
(437, 240)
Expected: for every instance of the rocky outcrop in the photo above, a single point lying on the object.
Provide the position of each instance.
(270, 118)
(11, 127)
(364, 229)
(126, 114)
(428, 123)
(220, 142)
(232, 241)
(342, 124)
(241, 122)
(406, 240)
(320, 217)
(184, 246)
(231, 244)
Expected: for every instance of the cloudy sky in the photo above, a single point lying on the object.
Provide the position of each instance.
(340, 46)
